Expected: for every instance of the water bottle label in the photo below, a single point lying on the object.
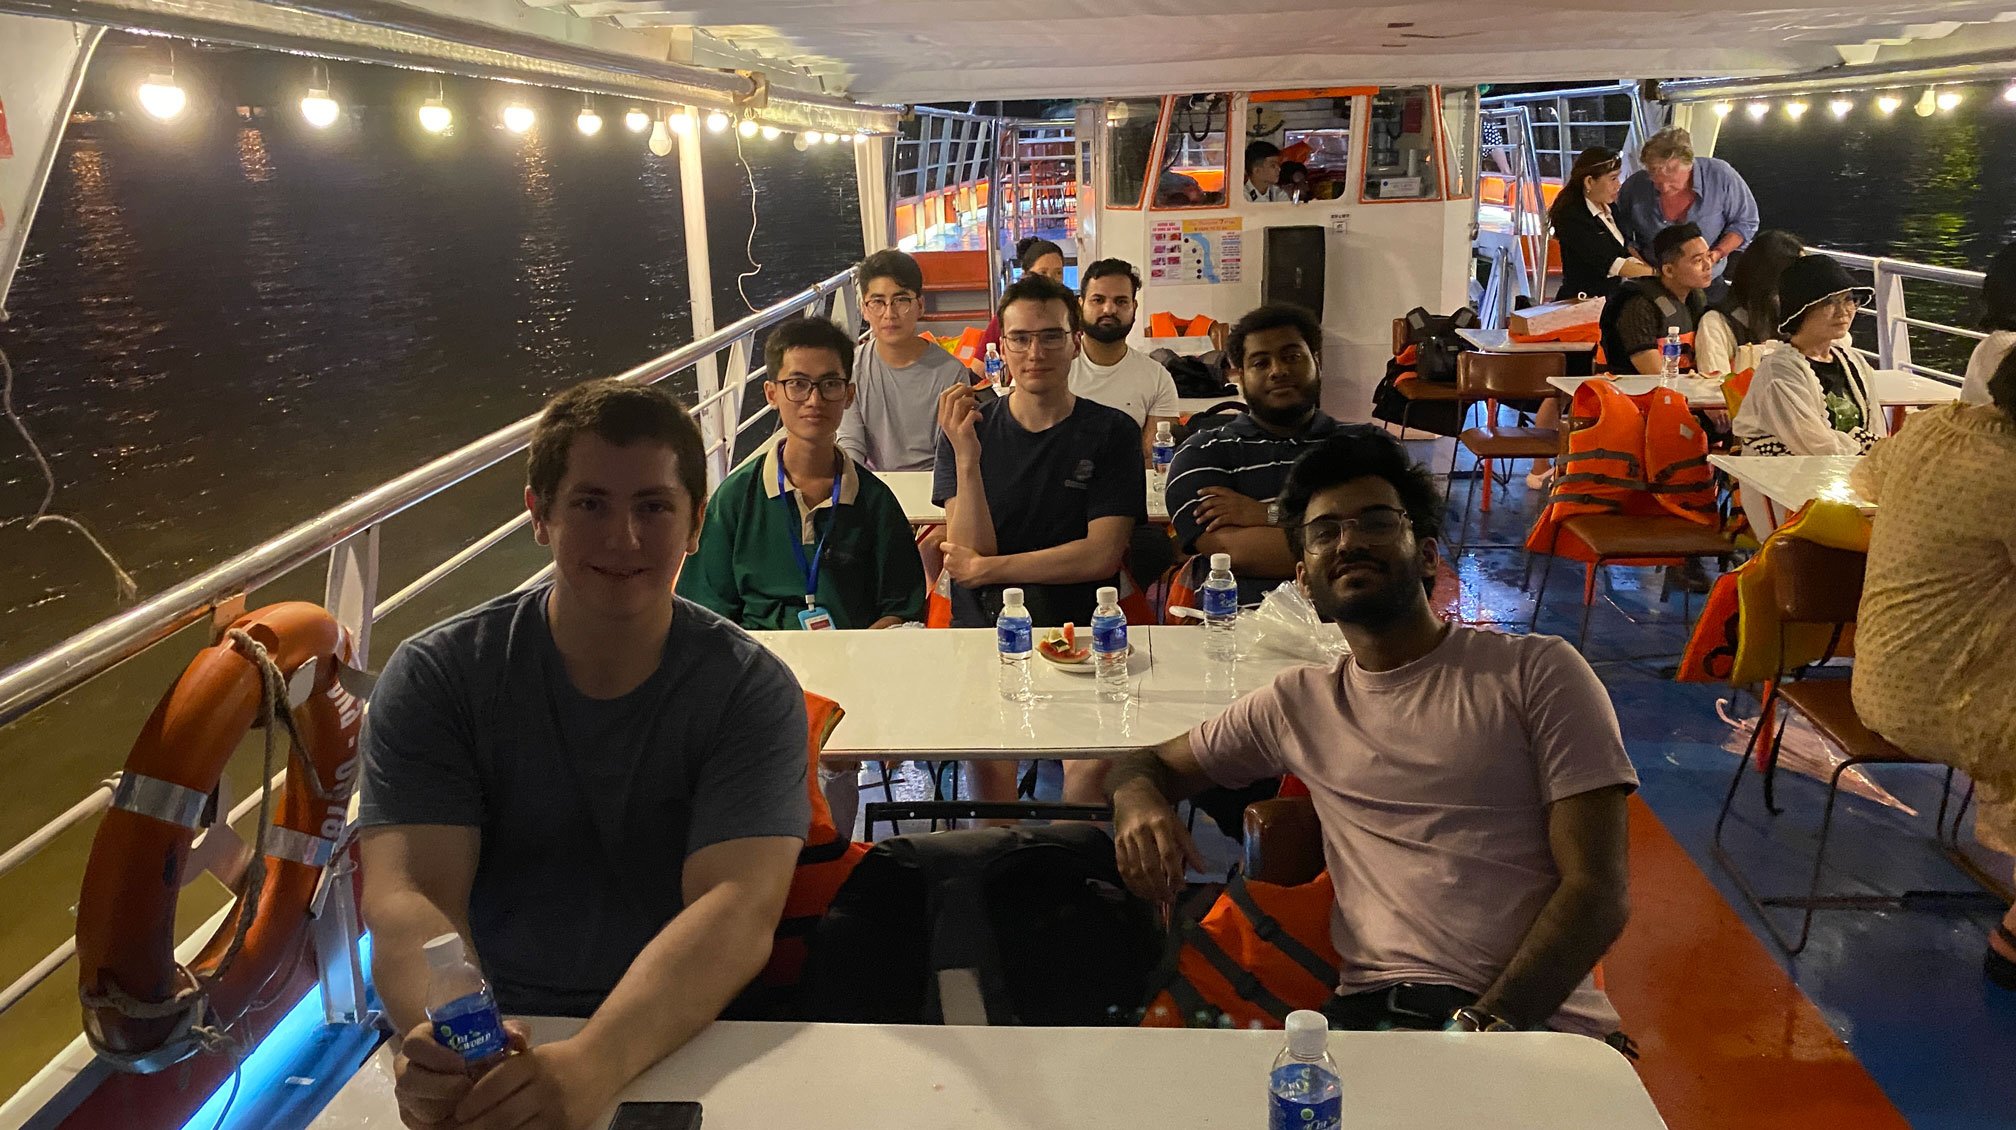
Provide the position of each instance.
(1015, 637)
(1163, 455)
(1109, 636)
(1221, 602)
(471, 1028)
(1304, 1097)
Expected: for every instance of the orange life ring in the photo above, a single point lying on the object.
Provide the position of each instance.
(141, 1009)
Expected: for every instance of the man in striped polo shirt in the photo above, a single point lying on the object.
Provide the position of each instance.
(1223, 482)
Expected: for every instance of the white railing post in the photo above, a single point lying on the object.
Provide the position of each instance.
(336, 931)
(1893, 333)
(351, 593)
(699, 263)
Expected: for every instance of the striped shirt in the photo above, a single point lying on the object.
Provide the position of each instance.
(1245, 457)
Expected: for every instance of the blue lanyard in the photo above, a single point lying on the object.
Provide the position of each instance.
(810, 568)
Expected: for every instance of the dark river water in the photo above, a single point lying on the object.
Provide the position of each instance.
(225, 326)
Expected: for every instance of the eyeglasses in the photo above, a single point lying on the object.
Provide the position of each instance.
(798, 390)
(880, 305)
(1022, 341)
(1845, 302)
(1381, 525)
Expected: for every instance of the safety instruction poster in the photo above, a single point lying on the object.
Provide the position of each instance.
(1195, 251)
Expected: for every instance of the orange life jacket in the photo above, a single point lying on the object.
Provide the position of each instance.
(1261, 952)
(1643, 454)
(823, 863)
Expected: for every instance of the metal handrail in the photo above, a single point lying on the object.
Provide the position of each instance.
(1894, 322)
(55, 672)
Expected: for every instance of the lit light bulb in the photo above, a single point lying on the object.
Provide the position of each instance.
(716, 122)
(161, 97)
(518, 117)
(1927, 102)
(772, 133)
(681, 124)
(435, 116)
(811, 136)
(1888, 104)
(830, 138)
(853, 138)
(636, 121)
(1757, 110)
(2009, 93)
(589, 123)
(1722, 109)
(661, 137)
(1839, 107)
(1948, 99)
(320, 109)
(747, 128)
(1795, 109)
(801, 142)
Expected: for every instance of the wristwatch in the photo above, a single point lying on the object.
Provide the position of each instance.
(1470, 1018)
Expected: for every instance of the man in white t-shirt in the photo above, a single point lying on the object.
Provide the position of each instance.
(1109, 371)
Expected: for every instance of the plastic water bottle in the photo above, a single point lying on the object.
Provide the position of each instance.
(459, 1005)
(993, 364)
(1109, 646)
(1670, 348)
(1161, 453)
(1303, 1088)
(1220, 598)
(1015, 638)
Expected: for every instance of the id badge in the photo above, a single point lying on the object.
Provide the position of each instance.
(815, 619)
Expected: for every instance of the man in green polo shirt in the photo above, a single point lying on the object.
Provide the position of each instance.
(802, 536)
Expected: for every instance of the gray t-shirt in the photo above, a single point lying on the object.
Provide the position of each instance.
(893, 425)
(587, 808)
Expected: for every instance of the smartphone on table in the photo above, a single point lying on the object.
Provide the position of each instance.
(656, 1116)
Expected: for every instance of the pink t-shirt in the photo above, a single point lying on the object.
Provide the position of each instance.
(1432, 783)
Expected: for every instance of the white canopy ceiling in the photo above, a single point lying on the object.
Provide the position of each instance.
(896, 51)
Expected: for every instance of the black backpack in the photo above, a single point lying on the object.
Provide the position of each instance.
(1037, 915)
(1210, 419)
(1438, 342)
(1200, 377)
(1436, 345)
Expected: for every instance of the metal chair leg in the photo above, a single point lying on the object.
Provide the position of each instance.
(1588, 602)
(1742, 767)
(1540, 598)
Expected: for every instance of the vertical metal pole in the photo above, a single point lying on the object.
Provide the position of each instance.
(699, 260)
(994, 214)
(351, 591)
(27, 29)
(1893, 336)
(872, 189)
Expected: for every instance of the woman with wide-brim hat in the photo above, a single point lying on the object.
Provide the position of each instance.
(1813, 396)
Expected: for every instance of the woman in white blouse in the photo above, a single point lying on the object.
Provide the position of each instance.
(1811, 396)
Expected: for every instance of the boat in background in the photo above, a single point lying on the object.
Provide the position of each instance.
(1409, 207)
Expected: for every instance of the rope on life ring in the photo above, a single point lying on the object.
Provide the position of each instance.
(143, 1009)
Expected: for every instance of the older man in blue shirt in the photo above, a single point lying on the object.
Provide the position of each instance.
(1676, 187)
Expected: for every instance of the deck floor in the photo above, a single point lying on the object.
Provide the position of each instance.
(1884, 1020)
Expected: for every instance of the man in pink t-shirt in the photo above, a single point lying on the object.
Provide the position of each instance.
(1470, 785)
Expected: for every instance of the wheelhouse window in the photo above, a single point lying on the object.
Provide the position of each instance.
(1314, 136)
(1191, 171)
(1401, 162)
(1130, 140)
(1459, 137)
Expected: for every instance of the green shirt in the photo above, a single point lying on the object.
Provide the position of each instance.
(747, 572)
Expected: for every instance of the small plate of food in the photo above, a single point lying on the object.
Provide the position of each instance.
(1064, 649)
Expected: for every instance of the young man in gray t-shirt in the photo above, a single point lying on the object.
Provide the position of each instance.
(898, 376)
(599, 786)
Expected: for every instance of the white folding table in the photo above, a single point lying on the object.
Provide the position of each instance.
(1784, 483)
(1500, 341)
(933, 694)
(880, 1077)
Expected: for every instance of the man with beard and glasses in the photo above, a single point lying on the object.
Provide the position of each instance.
(1110, 371)
(1222, 481)
(1470, 785)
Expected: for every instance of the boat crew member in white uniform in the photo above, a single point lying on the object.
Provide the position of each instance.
(1110, 371)
(599, 785)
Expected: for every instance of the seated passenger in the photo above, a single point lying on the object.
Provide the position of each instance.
(1110, 371)
(598, 784)
(1811, 396)
(1470, 785)
(1998, 297)
(1035, 256)
(1222, 480)
(1263, 173)
(892, 424)
(767, 558)
(1737, 331)
(1640, 311)
(1041, 489)
(1935, 643)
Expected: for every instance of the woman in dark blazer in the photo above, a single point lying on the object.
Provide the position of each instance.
(1593, 254)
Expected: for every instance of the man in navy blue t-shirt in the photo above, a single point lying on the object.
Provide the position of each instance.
(1041, 488)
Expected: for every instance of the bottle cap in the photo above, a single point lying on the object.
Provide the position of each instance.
(1674, 330)
(1221, 563)
(1162, 428)
(1308, 1033)
(1108, 595)
(444, 951)
(1011, 598)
